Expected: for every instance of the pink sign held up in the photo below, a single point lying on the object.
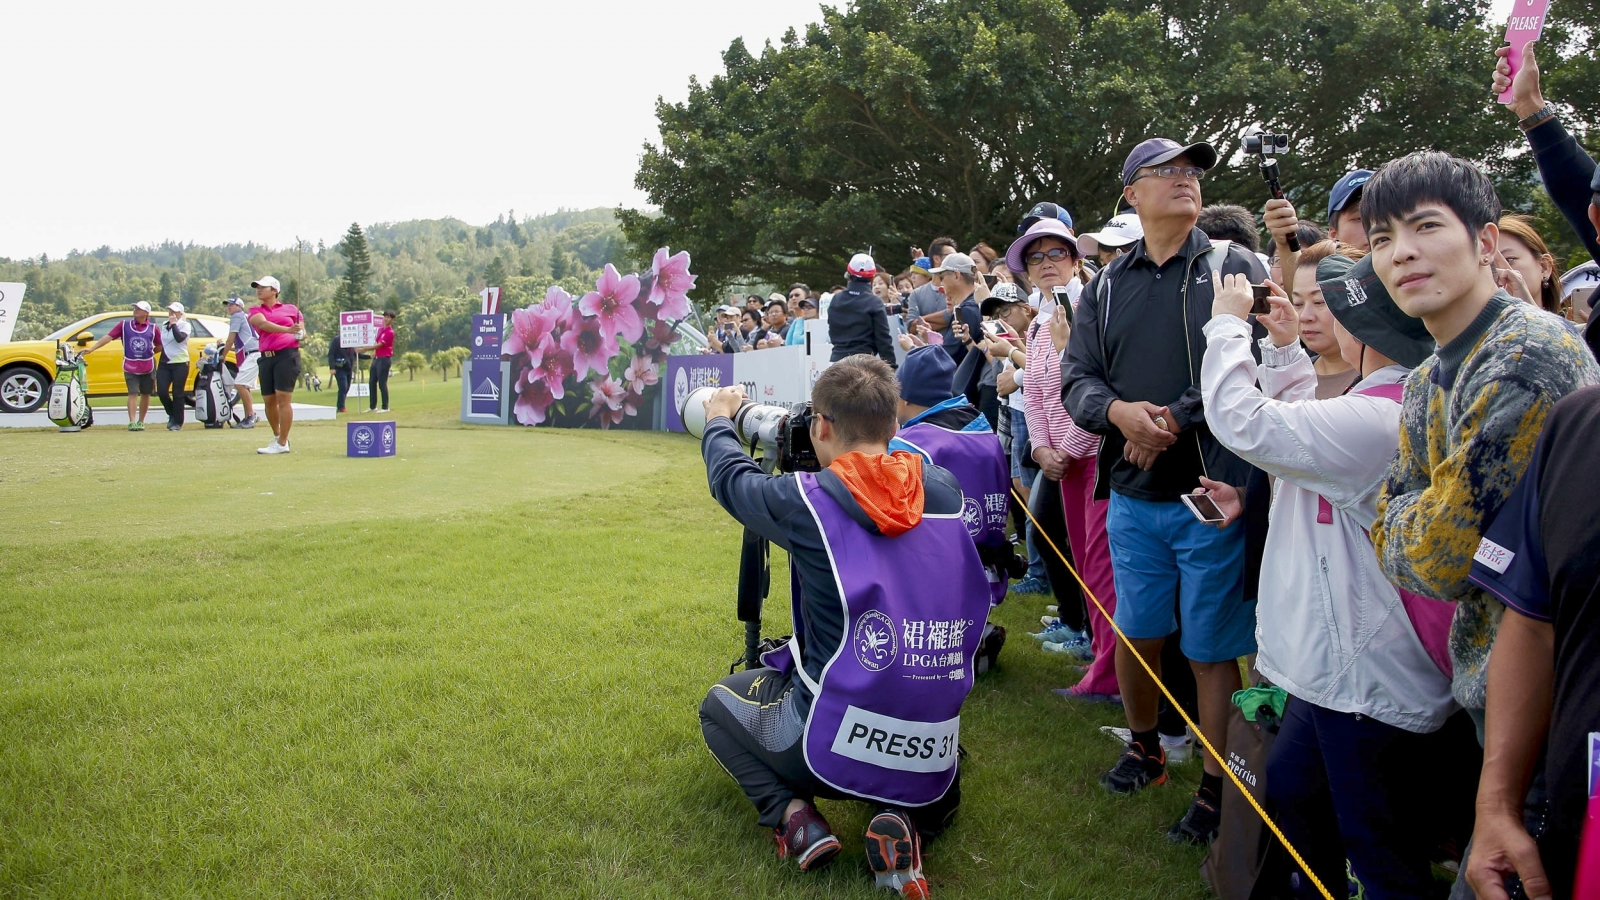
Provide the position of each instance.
(1524, 27)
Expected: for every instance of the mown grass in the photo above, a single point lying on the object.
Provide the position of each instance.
(468, 671)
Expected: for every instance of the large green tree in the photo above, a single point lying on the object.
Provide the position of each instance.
(352, 292)
(896, 120)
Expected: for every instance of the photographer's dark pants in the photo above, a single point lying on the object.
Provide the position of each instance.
(752, 725)
(342, 376)
(170, 379)
(379, 381)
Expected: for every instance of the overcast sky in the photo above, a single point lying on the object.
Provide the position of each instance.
(128, 122)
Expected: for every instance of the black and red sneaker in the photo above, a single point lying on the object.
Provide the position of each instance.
(1135, 770)
(894, 851)
(807, 840)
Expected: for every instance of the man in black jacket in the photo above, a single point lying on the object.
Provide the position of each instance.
(1131, 373)
(341, 365)
(857, 319)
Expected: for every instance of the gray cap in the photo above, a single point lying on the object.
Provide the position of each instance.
(1358, 299)
(955, 262)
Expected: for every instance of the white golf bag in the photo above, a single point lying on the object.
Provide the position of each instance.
(69, 395)
(213, 396)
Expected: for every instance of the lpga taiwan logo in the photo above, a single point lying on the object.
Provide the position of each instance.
(363, 438)
(972, 516)
(875, 642)
(386, 438)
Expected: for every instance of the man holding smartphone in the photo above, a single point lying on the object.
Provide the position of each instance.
(1131, 374)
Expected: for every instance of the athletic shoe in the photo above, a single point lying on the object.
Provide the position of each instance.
(1199, 825)
(1060, 634)
(133, 426)
(1052, 608)
(1076, 649)
(1048, 620)
(384, 410)
(274, 448)
(174, 426)
(341, 409)
(989, 650)
(249, 422)
(1177, 749)
(1030, 585)
(807, 840)
(894, 851)
(1135, 770)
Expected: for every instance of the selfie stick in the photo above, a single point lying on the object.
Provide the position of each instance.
(1269, 172)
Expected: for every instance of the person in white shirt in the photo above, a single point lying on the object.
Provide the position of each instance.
(1366, 667)
(172, 376)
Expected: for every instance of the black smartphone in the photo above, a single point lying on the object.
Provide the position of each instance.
(1063, 302)
(1261, 306)
(991, 280)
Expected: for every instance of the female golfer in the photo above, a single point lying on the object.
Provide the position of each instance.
(281, 328)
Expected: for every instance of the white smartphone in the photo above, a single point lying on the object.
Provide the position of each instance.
(1204, 508)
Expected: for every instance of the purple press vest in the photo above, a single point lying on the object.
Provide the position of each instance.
(978, 462)
(138, 348)
(885, 721)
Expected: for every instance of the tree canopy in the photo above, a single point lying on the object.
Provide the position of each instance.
(896, 120)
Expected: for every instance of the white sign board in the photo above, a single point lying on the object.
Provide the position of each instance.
(358, 329)
(10, 306)
(774, 375)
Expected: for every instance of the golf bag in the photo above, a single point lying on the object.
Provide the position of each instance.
(69, 395)
(213, 399)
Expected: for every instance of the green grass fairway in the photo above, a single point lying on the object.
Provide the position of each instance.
(471, 670)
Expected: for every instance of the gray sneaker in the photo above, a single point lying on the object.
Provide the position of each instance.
(249, 422)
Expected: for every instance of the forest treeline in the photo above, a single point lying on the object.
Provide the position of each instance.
(430, 270)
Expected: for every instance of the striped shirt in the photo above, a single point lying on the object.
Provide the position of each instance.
(1049, 423)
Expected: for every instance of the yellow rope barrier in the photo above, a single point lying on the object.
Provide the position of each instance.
(1039, 531)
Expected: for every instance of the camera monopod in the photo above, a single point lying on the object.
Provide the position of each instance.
(1268, 147)
(755, 580)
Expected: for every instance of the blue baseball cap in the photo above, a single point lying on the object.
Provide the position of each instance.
(923, 263)
(1344, 188)
(1156, 151)
(1045, 210)
(926, 376)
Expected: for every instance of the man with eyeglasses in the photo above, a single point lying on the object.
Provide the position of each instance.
(1132, 374)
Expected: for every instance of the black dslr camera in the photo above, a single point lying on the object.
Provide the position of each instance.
(1269, 147)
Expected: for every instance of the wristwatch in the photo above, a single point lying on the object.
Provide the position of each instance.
(1537, 117)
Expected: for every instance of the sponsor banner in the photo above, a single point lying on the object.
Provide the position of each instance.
(778, 375)
(358, 329)
(484, 370)
(10, 305)
(369, 439)
(687, 373)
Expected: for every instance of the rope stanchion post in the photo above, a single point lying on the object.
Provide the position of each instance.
(1199, 735)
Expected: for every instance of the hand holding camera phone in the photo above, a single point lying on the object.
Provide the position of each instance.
(1260, 305)
(1204, 508)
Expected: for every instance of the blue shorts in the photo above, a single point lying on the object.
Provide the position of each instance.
(1019, 443)
(1168, 564)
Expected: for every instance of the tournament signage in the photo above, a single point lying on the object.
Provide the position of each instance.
(10, 305)
(484, 372)
(358, 328)
(686, 374)
(369, 439)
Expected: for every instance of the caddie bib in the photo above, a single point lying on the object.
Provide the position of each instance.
(977, 461)
(884, 722)
(138, 348)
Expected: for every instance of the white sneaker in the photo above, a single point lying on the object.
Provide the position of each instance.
(274, 448)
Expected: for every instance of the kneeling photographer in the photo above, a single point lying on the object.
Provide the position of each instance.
(888, 598)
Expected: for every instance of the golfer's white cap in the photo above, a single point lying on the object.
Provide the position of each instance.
(175, 306)
(268, 282)
(142, 305)
(1120, 231)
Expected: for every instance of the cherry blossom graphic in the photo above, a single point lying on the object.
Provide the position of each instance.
(670, 286)
(590, 345)
(529, 326)
(533, 401)
(611, 302)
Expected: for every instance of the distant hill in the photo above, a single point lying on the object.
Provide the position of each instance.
(428, 269)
